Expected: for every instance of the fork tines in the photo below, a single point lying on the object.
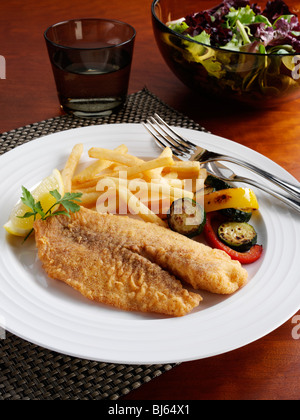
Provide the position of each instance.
(167, 137)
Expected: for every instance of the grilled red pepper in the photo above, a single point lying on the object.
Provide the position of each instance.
(212, 239)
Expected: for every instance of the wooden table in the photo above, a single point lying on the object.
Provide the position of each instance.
(266, 369)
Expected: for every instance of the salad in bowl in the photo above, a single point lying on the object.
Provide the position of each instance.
(237, 49)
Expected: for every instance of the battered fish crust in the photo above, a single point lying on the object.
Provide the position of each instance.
(132, 264)
(95, 262)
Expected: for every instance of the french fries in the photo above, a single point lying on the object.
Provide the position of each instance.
(95, 168)
(113, 156)
(119, 183)
(71, 165)
(143, 167)
(179, 166)
(137, 207)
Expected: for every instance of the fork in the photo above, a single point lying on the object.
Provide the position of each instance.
(226, 174)
(184, 149)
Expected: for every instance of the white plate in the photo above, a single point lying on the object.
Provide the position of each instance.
(51, 314)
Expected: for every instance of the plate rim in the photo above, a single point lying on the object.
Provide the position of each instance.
(112, 127)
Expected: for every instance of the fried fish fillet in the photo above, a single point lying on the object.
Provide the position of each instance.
(95, 262)
(132, 264)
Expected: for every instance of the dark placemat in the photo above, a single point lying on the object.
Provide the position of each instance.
(30, 372)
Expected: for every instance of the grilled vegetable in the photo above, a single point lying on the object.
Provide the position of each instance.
(237, 215)
(237, 198)
(206, 190)
(238, 236)
(187, 217)
(232, 214)
(216, 183)
(249, 257)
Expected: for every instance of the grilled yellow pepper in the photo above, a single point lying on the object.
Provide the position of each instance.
(237, 198)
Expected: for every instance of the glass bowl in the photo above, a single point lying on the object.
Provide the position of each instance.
(263, 80)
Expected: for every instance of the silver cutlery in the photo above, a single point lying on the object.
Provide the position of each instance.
(184, 149)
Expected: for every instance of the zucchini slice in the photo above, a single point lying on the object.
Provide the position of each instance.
(187, 217)
(216, 183)
(238, 236)
(237, 215)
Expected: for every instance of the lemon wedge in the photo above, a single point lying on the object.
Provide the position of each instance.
(21, 227)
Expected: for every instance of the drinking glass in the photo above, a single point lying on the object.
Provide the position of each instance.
(91, 61)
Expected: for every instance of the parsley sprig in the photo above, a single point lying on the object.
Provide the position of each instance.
(68, 202)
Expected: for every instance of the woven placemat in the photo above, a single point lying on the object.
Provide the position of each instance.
(30, 372)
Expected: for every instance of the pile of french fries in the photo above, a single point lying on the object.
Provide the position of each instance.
(119, 183)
